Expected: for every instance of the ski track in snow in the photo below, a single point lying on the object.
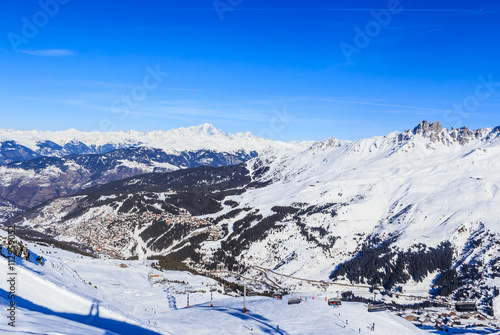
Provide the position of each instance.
(59, 299)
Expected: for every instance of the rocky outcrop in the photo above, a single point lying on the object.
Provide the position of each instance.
(328, 143)
(427, 129)
(437, 134)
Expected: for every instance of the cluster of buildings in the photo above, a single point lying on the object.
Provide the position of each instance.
(445, 318)
(215, 233)
(111, 234)
(148, 218)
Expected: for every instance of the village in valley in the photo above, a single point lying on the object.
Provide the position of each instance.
(111, 234)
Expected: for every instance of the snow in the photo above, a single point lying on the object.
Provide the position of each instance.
(450, 192)
(495, 282)
(265, 314)
(133, 298)
(204, 136)
(34, 322)
(444, 186)
(496, 305)
(447, 191)
(145, 167)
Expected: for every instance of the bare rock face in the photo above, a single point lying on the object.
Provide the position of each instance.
(328, 143)
(436, 134)
(427, 129)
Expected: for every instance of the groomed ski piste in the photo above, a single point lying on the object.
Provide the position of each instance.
(75, 294)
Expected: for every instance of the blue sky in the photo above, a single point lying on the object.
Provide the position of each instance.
(286, 70)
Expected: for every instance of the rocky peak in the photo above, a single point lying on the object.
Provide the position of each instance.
(328, 143)
(436, 133)
(427, 129)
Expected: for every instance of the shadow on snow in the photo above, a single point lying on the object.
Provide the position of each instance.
(263, 323)
(92, 319)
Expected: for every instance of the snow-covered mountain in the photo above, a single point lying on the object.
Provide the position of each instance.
(410, 211)
(75, 294)
(8, 210)
(38, 166)
(18, 146)
(29, 183)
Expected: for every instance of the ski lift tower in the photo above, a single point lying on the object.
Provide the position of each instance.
(244, 296)
(189, 289)
(212, 290)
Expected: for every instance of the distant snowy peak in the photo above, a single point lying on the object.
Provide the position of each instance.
(22, 145)
(206, 136)
(437, 134)
(16, 146)
(205, 129)
(120, 139)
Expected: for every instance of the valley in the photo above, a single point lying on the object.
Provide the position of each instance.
(412, 216)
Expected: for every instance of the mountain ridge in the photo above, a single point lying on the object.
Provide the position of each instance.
(319, 213)
(33, 144)
(408, 210)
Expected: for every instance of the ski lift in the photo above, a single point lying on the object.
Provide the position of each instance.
(335, 302)
(466, 306)
(376, 307)
(294, 301)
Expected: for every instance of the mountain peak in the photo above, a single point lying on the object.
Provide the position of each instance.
(427, 129)
(203, 129)
(209, 129)
(436, 133)
(328, 143)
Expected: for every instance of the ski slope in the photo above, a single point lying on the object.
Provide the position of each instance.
(133, 298)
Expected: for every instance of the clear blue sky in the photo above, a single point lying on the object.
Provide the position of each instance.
(287, 70)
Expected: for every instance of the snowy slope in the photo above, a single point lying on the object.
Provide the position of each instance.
(74, 294)
(413, 188)
(401, 210)
(8, 210)
(38, 323)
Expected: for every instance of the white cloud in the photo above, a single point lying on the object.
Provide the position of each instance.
(49, 52)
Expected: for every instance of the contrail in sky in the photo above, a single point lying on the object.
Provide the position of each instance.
(334, 9)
